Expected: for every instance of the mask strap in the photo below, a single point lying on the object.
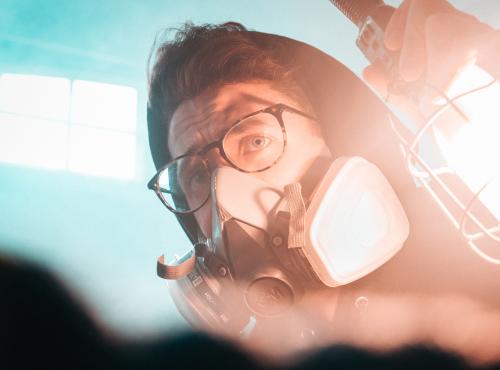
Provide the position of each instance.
(297, 232)
(184, 266)
(296, 228)
(314, 175)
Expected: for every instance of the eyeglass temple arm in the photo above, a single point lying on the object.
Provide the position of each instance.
(296, 111)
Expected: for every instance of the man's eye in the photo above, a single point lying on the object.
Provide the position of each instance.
(197, 180)
(254, 143)
(192, 179)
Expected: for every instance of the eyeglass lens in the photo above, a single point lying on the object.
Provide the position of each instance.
(253, 144)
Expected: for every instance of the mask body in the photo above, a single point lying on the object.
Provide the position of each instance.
(253, 269)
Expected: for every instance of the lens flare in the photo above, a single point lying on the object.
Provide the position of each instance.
(470, 146)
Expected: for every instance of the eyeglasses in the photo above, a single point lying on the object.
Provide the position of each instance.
(254, 143)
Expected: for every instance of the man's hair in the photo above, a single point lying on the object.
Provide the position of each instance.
(209, 56)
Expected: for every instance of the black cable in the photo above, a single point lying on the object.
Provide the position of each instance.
(357, 10)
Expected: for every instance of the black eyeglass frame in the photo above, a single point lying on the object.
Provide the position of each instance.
(276, 110)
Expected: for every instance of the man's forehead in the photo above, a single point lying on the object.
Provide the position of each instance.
(203, 119)
(202, 116)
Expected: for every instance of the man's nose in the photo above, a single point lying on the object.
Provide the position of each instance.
(215, 159)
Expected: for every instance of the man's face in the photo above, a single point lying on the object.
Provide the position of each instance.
(205, 118)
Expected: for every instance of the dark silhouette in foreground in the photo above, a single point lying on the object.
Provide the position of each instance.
(43, 327)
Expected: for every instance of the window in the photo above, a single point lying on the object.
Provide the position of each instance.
(80, 126)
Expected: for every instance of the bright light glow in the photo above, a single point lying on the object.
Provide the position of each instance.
(33, 142)
(472, 148)
(102, 152)
(36, 96)
(103, 105)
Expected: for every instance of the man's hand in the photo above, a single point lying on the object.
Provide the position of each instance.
(435, 42)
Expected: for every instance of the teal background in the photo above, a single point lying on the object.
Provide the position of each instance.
(102, 236)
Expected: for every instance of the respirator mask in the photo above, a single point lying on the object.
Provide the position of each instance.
(269, 245)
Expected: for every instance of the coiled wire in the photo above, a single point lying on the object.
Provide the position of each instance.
(357, 10)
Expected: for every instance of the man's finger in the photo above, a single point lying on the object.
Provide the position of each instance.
(411, 38)
(393, 38)
(452, 41)
(412, 59)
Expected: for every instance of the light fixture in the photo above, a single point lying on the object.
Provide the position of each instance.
(464, 122)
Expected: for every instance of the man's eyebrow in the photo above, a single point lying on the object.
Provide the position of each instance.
(195, 140)
(202, 116)
(191, 149)
(250, 121)
(211, 119)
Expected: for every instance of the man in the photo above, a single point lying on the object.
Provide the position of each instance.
(235, 111)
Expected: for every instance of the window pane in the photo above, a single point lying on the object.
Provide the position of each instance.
(33, 141)
(39, 96)
(104, 105)
(102, 152)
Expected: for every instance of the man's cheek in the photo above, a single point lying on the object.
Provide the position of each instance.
(293, 165)
(204, 218)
